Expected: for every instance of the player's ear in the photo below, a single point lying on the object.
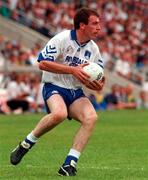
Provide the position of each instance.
(82, 26)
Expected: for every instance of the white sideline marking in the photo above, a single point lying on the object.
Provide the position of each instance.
(111, 168)
(86, 167)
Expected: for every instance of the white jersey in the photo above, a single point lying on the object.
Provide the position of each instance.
(64, 48)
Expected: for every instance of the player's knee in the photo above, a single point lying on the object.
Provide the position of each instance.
(60, 116)
(90, 121)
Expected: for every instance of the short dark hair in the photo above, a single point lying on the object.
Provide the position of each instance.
(82, 16)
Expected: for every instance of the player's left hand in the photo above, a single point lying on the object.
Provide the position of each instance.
(96, 85)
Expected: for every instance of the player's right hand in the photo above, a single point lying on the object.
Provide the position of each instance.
(80, 74)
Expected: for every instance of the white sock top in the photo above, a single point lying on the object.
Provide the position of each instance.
(32, 138)
(74, 153)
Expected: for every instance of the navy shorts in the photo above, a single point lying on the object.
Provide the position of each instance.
(68, 95)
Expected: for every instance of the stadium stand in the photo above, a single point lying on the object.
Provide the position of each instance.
(122, 39)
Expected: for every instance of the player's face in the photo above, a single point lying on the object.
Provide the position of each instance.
(92, 29)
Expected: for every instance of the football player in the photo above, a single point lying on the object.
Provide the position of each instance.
(62, 61)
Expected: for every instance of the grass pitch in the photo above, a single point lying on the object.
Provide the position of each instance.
(117, 150)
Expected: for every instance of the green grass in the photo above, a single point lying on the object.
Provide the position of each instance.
(117, 150)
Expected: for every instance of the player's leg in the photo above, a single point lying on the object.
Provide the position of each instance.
(83, 111)
(58, 113)
(49, 121)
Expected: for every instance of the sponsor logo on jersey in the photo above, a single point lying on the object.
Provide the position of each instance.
(87, 54)
(74, 61)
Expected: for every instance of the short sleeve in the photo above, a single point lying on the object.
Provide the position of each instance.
(98, 58)
(51, 51)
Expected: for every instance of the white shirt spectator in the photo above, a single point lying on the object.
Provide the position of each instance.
(13, 90)
(122, 67)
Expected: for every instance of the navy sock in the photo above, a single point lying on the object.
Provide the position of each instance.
(27, 144)
(69, 158)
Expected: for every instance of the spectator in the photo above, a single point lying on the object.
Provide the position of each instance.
(131, 100)
(94, 102)
(144, 93)
(111, 99)
(123, 66)
(142, 100)
(16, 101)
(121, 32)
(123, 37)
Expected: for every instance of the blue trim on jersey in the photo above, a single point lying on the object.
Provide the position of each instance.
(101, 66)
(41, 58)
(74, 37)
(51, 51)
(100, 61)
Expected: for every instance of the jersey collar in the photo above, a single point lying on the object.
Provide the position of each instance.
(74, 38)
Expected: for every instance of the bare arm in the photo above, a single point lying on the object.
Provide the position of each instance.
(55, 67)
(76, 71)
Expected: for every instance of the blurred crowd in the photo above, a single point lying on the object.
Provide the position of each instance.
(22, 92)
(123, 38)
(122, 41)
(120, 97)
(16, 54)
